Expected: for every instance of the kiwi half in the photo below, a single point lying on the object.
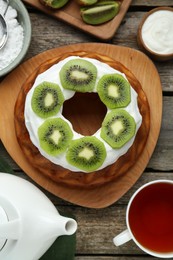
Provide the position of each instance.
(100, 13)
(47, 99)
(106, 2)
(54, 136)
(78, 75)
(86, 2)
(87, 153)
(118, 128)
(114, 90)
(55, 4)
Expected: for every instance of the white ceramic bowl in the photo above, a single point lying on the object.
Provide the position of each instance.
(24, 19)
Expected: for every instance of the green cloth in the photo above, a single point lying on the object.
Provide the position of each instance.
(62, 249)
(5, 167)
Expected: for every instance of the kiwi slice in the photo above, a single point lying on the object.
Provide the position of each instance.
(54, 136)
(87, 153)
(100, 13)
(114, 91)
(47, 99)
(118, 128)
(78, 75)
(55, 4)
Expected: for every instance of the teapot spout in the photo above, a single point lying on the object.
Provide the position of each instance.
(59, 225)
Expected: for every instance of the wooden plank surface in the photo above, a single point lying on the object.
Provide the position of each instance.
(70, 13)
(97, 227)
(152, 3)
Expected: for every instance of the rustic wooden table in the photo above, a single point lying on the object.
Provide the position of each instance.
(97, 227)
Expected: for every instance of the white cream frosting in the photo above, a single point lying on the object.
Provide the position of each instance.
(32, 121)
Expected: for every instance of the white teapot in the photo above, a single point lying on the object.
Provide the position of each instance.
(29, 222)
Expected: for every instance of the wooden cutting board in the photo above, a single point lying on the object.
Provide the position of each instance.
(100, 197)
(71, 14)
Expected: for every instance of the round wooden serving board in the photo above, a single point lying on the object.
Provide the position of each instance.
(103, 196)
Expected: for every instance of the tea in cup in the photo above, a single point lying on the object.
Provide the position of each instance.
(149, 219)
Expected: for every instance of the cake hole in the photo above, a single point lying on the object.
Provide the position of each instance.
(85, 111)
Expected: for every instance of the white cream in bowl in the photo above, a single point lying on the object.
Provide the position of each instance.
(157, 32)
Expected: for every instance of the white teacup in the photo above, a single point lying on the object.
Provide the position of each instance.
(149, 219)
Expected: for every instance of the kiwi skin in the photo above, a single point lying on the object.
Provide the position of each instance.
(37, 100)
(125, 132)
(120, 87)
(95, 150)
(78, 75)
(54, 136)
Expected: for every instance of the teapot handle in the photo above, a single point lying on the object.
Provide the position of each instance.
(10, 229)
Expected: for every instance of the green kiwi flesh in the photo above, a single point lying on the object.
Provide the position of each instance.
(114, 91)
(78, 75)
(87, 153)
(100, 13)
(118, 128)
(47, 99)
(55, 4)
(54, 136)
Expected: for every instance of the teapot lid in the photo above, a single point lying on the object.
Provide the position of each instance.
(3, 219)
